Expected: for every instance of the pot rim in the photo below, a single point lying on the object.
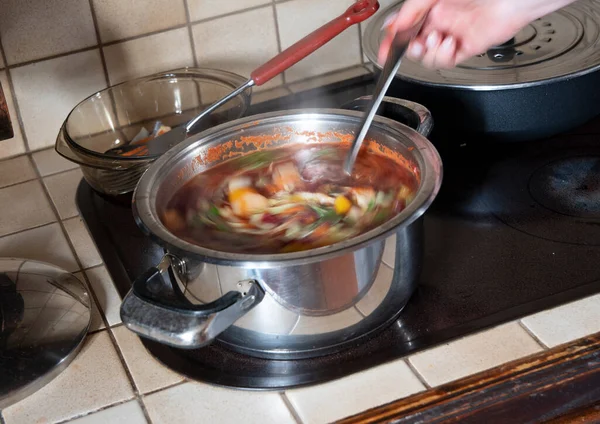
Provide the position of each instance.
(144, 197)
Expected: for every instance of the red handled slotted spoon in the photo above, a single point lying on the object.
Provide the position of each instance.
(356, 13)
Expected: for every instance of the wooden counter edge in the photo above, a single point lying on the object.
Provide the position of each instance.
(562, 383)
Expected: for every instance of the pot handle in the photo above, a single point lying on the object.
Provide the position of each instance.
(155, 308)
(406, 112)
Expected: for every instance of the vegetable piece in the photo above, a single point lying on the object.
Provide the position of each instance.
(286, 176)
(238, 182)
(308, 197)
(173, 220)
(342, 205)
(354, 215)
(371, 206)
(404, 192)
(213, 215)
(256, 160)
(246, 201)
(364, 197)
(321, 230)
(258, 221)
(292, 211)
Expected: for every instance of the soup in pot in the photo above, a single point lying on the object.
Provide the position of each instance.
(288, 199)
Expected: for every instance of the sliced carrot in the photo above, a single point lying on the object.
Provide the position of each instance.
(140, 151)
(320, 231)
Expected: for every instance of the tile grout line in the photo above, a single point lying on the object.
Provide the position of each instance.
(142, 405)
(169, 386)
(99, 42)
(278, 37)
(95, 298)
(95, 411)
(35, 227)
(417, 373)
(131, 38)
(54, 56)
(533, 335)
(188, 21)
(136, 37)
(325, 75)
(228, 14)
(136, 392)
(364, 65)
(291, 408)
(360, 46)
(19, 182)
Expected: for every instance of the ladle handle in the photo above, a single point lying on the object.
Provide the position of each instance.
(356, 13)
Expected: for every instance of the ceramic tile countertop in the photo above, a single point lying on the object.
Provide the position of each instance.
(114, 380)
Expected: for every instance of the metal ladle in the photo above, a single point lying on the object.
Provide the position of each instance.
(392, 63)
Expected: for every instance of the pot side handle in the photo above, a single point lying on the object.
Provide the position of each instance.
(156, 309)
(412, 114)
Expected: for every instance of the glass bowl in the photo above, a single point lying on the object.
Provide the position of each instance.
(115, 116)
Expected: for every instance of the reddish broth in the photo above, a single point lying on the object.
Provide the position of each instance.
(288, 199)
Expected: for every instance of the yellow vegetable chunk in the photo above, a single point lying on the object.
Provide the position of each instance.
(342, 205)
(246, 201)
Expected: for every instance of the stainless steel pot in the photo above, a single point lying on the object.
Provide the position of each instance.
(289, 305)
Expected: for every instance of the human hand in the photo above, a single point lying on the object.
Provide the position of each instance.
(456, 30)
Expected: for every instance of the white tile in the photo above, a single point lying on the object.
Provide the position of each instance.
(354, 393)
(297, 18)
(12, 146)
(567, 322)
(96, 322)
(266, 95)
(62, 189)
(46, 244)
(204, 9)
(148, 374)
(238, 43)
(474, 354)
(136, 58)
(95, 379)
(84, 246)
(187, 402)
(106, 293)
(118, 19)
(328, 79)
(32, 29)
(125, 413)
(16, 170)
(49, 162)
(23, 206)
(47, 91)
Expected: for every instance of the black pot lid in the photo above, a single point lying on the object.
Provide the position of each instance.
(45, 314)
(561, 45)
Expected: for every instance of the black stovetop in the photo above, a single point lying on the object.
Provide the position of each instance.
(515, 229)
